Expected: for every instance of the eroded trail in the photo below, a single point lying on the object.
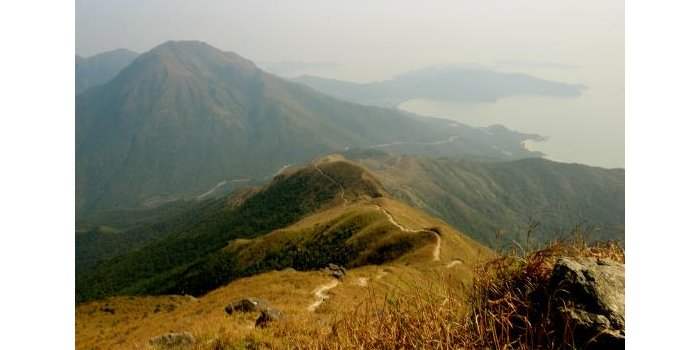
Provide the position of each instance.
(454, 263)
(342, 189)
(438, 242)
(321, 294)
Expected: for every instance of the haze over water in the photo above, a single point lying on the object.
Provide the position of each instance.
(588, 129)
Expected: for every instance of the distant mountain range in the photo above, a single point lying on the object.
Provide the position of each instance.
(446, 83)
(101, 68)
(184, 117)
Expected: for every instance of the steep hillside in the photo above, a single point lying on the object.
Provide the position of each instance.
(496, 201)
(197, 235)
(185, 116)
(447, 83)
(388, 247)
(101, 68)
(331, 211)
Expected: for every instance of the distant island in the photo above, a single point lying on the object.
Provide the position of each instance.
(446, 83)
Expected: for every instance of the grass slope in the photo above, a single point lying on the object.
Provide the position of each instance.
(198, 233)
(137, 319)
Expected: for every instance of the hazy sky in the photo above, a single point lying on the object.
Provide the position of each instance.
(411, 32)
(374, 39)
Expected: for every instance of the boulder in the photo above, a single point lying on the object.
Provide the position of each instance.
(182, 340)
(336, 271)
(107, 309)
(589, 300)
(246, 305)
(266, 316)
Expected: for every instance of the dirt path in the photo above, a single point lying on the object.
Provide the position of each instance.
(321, 295)
(438, 243)
(454, 263)
(342, 189)
(280, 170)
(362, 281)
(211, 190)
(394, 222)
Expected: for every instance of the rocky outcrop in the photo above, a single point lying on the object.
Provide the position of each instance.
(182, 340)
(589, 300)
(107, 309)
(335, 271)
(266, 316)
(246, 305)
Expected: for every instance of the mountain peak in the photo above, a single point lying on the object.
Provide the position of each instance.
(193, 52)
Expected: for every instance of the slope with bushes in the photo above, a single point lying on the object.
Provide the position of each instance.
(498, 202)
(340, 218)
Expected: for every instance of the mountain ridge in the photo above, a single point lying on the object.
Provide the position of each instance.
(100, 68)
(184, 116)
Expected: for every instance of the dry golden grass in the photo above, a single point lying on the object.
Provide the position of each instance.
(412, 302)
(496, 312)
(409, 305)
(134, 321)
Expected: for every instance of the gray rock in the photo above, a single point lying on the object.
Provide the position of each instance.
(266, 316)
(589, 300)
(246, 305)
(336, 271)
(182, 340)
(107, 309)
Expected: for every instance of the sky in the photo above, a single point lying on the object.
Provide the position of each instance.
(565, 40)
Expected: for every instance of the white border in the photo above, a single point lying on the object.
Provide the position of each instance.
(37, 175)
(662, 177)
(37, 252)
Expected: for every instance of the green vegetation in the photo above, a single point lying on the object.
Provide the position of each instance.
(358, 237)
(192, 242)
(497, 202)
(108, 234)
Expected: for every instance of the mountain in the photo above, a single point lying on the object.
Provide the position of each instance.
(486, 197)
(331, 211)
(101, 68)
(450, 83)
(185, 117)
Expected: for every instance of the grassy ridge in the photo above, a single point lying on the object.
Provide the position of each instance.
(359, 236)
(199, 233)
(187, 258)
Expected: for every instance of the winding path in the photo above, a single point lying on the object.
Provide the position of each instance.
(438, 243)
(342, 189)
(321, 294)
(454, 263)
